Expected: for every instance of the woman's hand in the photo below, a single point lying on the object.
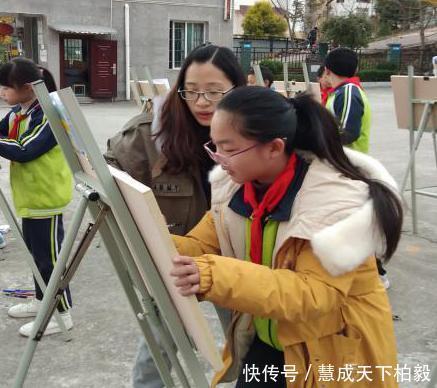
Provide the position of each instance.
(187, 275)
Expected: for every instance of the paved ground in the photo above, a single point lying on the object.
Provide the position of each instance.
(106, 334)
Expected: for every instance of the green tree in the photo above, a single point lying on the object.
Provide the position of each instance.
(352, 31)
(405, 15)
(261, 20)
(394, 15)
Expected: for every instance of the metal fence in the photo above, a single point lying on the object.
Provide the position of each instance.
(371, 59)
(368, 59)
(293, 56)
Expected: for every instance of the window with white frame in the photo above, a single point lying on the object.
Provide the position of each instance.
(184, 36)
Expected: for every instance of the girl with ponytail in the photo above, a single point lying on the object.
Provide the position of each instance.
(40, 179)
(289, 246)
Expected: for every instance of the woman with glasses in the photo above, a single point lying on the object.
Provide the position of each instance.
(164, 150)
(305, 218)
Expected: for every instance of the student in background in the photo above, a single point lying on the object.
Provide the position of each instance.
(40, 178)
(348, 102)
(164, 150)
(289, 244)
(347, 99)
(312, 37)
(266, 74)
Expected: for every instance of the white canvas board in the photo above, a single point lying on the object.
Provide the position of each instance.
(152, 227)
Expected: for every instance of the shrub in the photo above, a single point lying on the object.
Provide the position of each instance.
(375, 75)
(274, 66)
(387, 66)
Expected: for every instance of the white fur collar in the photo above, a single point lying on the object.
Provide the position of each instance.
(344, 246)
(346, 243)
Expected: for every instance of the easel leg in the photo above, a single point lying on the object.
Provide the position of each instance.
(413, 181)
(50, 299)
(149, 315)
(434, 143)
(16, 230)
(185, 347)
(411, 167)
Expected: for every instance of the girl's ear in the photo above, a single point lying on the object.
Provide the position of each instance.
(277, 147)
(27, 88)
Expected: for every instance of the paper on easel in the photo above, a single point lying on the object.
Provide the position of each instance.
(152, 227)
(425, 88)
(71, 131)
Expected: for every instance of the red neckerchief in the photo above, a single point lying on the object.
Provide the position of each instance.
(351, 80)
(13, 133)
(270, 200)
(325, 94)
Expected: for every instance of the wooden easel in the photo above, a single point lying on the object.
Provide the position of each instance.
(126, 248)
(423, 125)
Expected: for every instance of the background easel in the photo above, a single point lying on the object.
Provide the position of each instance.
(144, 90)
(291, 88)
(416, 109)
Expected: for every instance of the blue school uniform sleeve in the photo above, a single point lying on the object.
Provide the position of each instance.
(4, 125)
(349, 110)
(36, 141)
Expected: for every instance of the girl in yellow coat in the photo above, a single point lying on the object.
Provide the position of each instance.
(305, 218)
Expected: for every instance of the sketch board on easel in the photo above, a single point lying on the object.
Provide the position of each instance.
(425, 88)
(151, 224)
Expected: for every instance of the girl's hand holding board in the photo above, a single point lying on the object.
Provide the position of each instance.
(187, 275)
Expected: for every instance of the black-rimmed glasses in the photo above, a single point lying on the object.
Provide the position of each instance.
(210, 95)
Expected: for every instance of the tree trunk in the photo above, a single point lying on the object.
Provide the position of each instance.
(290, 29)
(293, 28)
(422, 35)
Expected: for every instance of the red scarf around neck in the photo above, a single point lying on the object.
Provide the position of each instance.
(270, 200)
(13, 133)
(328, 91)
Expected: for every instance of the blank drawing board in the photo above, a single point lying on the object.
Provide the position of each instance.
(425, 88)
(151, 224)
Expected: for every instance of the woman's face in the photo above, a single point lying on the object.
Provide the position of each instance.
(204, 77)
(256, 162)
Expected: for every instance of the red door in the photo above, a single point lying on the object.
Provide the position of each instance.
(103, 68)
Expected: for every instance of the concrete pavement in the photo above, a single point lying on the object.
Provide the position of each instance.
(105, 334)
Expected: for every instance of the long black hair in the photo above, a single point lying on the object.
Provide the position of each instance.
(182, 135)
(263, 115)
(20, 71)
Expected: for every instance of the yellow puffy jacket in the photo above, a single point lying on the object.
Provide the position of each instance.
(333, 313)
